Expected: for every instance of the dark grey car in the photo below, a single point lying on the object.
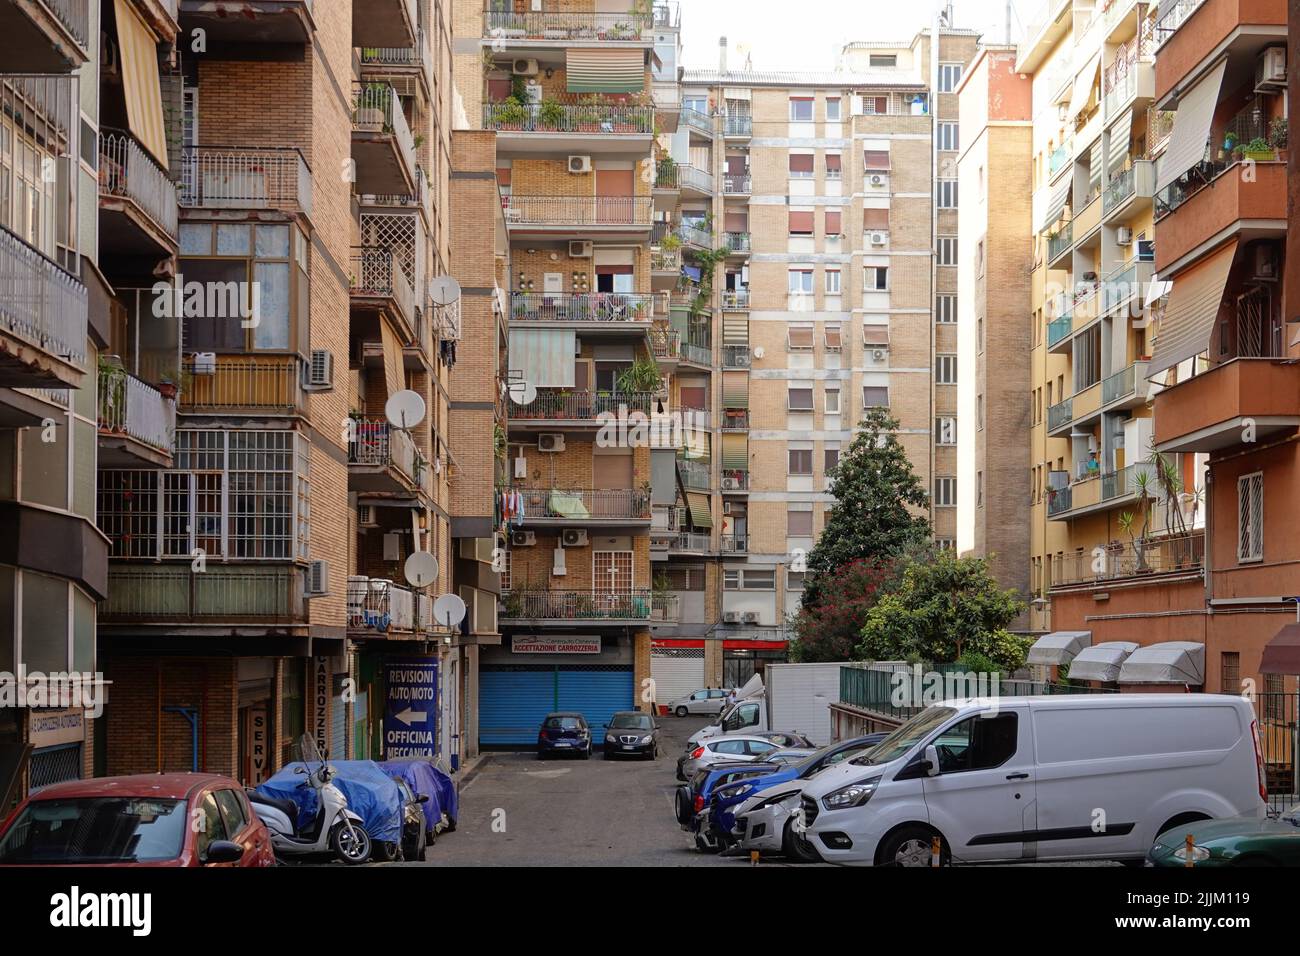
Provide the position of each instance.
(631, 733)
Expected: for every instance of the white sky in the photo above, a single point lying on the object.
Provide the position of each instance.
(807, 34)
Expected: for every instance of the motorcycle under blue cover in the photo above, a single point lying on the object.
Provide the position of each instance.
(371, 794)
(424, 777)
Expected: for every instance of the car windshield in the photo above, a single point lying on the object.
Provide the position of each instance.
(564, 723)
(630, 722)
(905, 737)
(96, 830)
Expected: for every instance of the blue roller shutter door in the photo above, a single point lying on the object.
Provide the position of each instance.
(511, 705)
(596, 694)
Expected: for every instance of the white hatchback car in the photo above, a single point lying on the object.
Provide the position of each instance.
(707, 700)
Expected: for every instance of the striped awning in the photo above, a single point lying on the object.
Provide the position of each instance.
(1193, 307)
(1094, 162)
(1187, 142)
(1121, 134)
(701, 512)
(735, 330)
(735, 451)
(140, 84)
(1058, 200)
(1084, 81)
(605, 71)
(735, 389)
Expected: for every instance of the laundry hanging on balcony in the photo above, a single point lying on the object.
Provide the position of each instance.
(510, 504)
(605, 71)
(140, 84)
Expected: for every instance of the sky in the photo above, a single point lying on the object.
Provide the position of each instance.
(807, 34)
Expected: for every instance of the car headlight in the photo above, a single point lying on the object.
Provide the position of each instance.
(646, 739)
(611, 739)
(735, 790)
(854, 795)
(1199, 853)
(776, 798)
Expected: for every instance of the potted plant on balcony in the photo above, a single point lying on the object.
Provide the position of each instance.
(509, 114)
(372, 106)
(1277, 135)
(587, 115)
(1258, 150)
(641, 376)
(550, 115)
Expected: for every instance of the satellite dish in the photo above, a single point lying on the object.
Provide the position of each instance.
(421, 569)
(449, 610)
(523, 393)
(405, 409)
(444, 290)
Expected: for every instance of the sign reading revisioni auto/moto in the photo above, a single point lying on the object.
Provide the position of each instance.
(555, 645)
(411, 709)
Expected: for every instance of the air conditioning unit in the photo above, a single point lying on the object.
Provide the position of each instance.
(320, 370)
(524, 67)
(523, 539)
(750, 617)
(581, 248)
(367, 517)
(318, 578)
(731, 617)
(1270, 70)
(878, 238)
(877, 179)
(550, 441)
(1265, 261)
(730, 484)
(579, 164)
(1124, 235)
(878, 355)
(573, 538)
(204, 363)
(558, 568)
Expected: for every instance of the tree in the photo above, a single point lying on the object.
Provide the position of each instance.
(831, 629)
(946, 609)
(873, 486)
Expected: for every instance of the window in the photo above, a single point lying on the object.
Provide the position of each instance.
(801, 281)
(945, 544)
(875, 218)
(831, 398)
(875, 279)
(749, 579)
(945, 369)
(883, 59)
(801, 222)
(945, 492)
(947, 193)
(876, 160)
(794, 580)
(505, 570)
(875, 105)
(799, 523)
(834, 341)
(947, 250)
(978, 743)
(832, 281)
(1087, 358)
(945, 430)
(949, 76)
(831, 458)
(875, 396)
(979, 258)
(1274, 704)
(945, 309)
(699, 104)
(832, 109)
(800, 461)
(1250, 517)
(801, 165)
(834, 219)
(947, 137)
(232, 811)
(979, 489)
(1229, 672)
(799, 399)
(799, 337)
(834, 167)
(801, 109)
(208, 827)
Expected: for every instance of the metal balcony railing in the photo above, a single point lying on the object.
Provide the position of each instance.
(1058, 500)
(1060, 157)
(665, 260)
(376, 108)
(243, 177)
(665, 607)
(575, 405)
(402, 56)
(665, 343)
(1060, 243)
(373, 443)
(739, 125)
(737, 184)
(127, 171)
(1117, 484)
(613, 307)
(666, 175)
(1173, 16)
(1184, 552)
(584, 504)
(628, 604)
(1160, 124)
(75, 17)
(1058, 329)
(1060, 414)
(1118, 190)
(690, 541)
(375, 272)
(733, 543)
(575, 25)
(736, 356)
(578, 210)
(694, 473)
(697, 353)
(736, 241)
(40, 303)
(162, 594)
(695, 235)
(667, 16)
(269, 384)
(569, 118)
(131, 407)
(380, 606)
(1120, 385)
(735, 420)
(734, 479)
(697, 120)
(737, 299)
(691, 177)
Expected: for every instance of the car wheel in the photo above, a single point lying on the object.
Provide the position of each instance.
(586, 754)
(682, 711)
(682, 806)
(796, 846)
(386, 852)
(417, 851)
(910, 846)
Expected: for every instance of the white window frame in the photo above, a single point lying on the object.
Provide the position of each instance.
(945, 430)
(949, 76)
(945, 491)
(839, 109)
(945, 368)
(946, 137)
(812, 109)
(870, 276)
(1250, 518)
(947, 251)
(945, 309)
(805, 281)
(945, 193)
(829, 407)
(808, 327)
(833, 288)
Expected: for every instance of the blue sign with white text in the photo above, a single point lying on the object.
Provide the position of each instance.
(411, 709)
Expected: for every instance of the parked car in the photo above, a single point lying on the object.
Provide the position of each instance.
(165, 819)
(564, 733)
(1236, 841)
(709, 700)
(631, 733)
(746, 748)
(414, 836)
(425, 779)
(964, 769)
(691, 800)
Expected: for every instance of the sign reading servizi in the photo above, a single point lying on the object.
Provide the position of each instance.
(555, 645)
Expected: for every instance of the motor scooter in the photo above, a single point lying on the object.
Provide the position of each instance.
(334, 829)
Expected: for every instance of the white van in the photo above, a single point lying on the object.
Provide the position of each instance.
(1094, 776)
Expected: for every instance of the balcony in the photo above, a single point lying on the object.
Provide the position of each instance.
(697, 121)
(1060, 159)
(697, 354)
(45, 36)
(1058, 330)
(615, 312)
(736, 356)
(693, 179)
(735, 300)
(1127, 388)
(1059, 416)
(554, 406)
(1130, 76)
(665, 346)
(400, 63)
(733, 543)
(377, 283)
(665, 608)
(386, 23)
(735, 420)
(1135, 183)
(694, 473)
(1184, 553)
(696, 236)
(1188, 213)
(737, 243)
(1124, 288)
(137, 423)
(245, 177)
(666, 261)
(43, 312)
(734, 480)
(690, 542)
(242, 385)
(585, 507)
(1059, 245)
(591, 127)
(570, 607)
(560, 27)
(568, 214)
(137, 201)
(383, 148)
(1058, 501)
(229, 22)
(738, 126)
(1190, 32)
(377, 606)
(173, 594)
(737, 184)
(383, 459)
(1256, 398)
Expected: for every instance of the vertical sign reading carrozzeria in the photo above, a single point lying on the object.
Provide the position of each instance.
(319, 705)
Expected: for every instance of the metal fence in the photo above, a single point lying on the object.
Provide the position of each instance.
(632, 604)
(578, 504)
(158, 595)
(584, 307)
(377, 271)
(267, 384)
(552, 117)
(580, 405)
(376, 108)
(1279, 740)
(127, 171)
(238, 177)
(565, 25)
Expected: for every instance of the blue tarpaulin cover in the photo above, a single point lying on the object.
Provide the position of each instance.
(370, 791)
(423, 777)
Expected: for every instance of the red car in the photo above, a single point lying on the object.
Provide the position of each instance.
(164, 819)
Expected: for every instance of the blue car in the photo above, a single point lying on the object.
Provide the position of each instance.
(722, 800)
(693, 797)
(564, 733)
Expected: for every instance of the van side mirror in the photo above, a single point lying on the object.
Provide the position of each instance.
(932, 758)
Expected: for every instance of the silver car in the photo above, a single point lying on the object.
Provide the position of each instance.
(708, 700)
(746, 747)
(761, 820)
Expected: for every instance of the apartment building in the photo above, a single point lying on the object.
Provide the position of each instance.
(572, 91)
(994, 338)
(54, 323)
(825, 193)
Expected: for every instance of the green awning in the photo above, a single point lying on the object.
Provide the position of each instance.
(701, 512)
(605, 71)
(735, 390)
(735, 452)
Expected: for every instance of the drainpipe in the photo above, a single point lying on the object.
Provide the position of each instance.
(192, 715)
